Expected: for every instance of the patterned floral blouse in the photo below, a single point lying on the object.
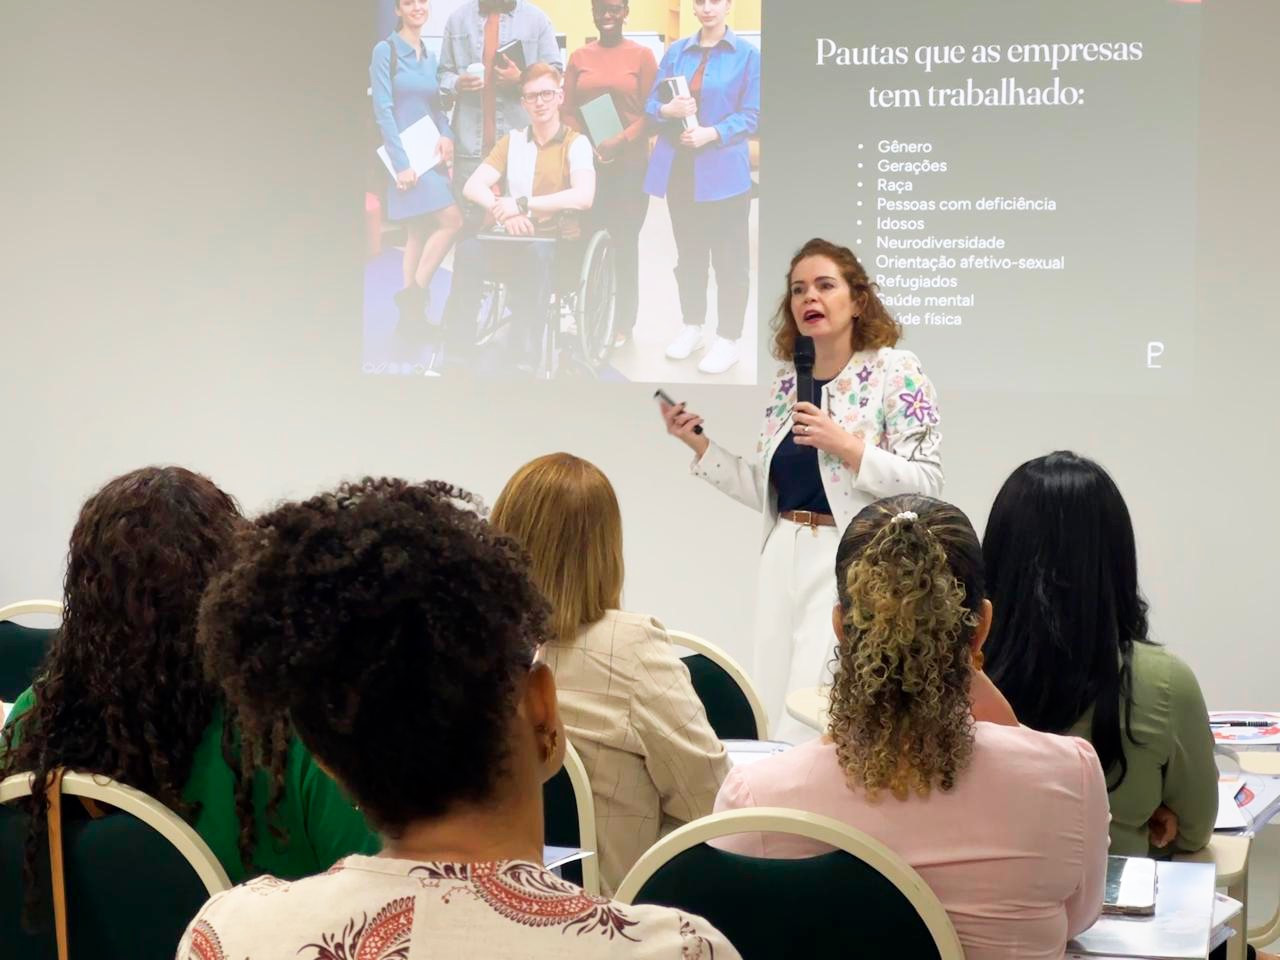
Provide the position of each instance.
(883, 396)
(374, 908)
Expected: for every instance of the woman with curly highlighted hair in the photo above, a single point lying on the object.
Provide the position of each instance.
(121, 691)
(1008, 826)
(398, 633)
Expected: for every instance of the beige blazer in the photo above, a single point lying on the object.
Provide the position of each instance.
(631, 712)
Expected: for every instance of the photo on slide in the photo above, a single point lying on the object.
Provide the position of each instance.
(563, 188)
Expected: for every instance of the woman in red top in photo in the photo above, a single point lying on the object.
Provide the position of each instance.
(624, 70)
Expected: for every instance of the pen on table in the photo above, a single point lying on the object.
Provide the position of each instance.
(1244, 723)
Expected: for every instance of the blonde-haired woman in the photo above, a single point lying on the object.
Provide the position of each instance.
(626, 699)
(1008, 826)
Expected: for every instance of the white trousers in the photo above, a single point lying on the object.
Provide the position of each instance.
(794, 638)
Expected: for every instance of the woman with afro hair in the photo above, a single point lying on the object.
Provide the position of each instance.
(398, 633)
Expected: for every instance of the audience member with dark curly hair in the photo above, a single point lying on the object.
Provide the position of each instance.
(398, 633)
(121, 691)
(1008, 826)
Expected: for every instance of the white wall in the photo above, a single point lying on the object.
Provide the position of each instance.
(181, 283)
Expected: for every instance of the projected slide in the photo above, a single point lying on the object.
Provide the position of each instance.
(563, 188)
(1018, 178)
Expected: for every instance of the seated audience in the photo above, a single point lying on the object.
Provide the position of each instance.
(629, 706)
(1008, 826)
(121, 691)
(398, 633)
(534, 183)
(1069, 649)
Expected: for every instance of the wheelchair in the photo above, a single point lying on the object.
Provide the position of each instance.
(577, 333)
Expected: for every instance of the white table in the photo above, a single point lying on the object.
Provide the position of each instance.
(1178, 931)
(745, 752)
(1230, 858)
(809, 706)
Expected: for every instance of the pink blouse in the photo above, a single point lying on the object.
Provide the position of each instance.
(1016, 851)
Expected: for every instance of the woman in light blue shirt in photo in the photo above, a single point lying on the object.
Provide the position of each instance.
(402, 75)
(701, 164)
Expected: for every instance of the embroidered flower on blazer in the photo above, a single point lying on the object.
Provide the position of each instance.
(917, 406)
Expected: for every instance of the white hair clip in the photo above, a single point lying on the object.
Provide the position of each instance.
(904, 515)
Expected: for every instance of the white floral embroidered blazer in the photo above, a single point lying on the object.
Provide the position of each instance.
(881, 395)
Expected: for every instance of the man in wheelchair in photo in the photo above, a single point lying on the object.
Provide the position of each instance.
(533, 184)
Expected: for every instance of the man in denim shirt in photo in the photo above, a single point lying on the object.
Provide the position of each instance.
(488, 101)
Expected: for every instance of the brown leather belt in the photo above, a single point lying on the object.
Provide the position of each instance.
(807, 518)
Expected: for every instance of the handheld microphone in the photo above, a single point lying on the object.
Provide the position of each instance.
(803, 355)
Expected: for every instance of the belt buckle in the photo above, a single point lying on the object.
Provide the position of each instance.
(807, 518)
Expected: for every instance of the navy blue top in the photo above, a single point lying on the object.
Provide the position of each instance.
(794, 473)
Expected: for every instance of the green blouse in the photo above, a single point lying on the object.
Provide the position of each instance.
(320, 824)
(1170, 757)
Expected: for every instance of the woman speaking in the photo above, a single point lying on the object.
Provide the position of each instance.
(874, 434)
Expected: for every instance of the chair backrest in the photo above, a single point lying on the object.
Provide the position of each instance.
(569, 818)
(133, 878)
(21, 647)
(860, 899)
(733, 707)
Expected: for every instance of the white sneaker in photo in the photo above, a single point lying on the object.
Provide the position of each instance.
(689, 339)
(722, 355)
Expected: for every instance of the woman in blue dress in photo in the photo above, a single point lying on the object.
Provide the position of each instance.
(424, 203)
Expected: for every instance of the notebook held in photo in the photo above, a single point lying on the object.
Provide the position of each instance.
(601, 119)
(513, 50)
(678, 86)
(421, 142)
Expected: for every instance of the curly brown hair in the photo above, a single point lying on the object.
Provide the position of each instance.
(872, 328)
(909, 573)
(389, 624)
(120, 691)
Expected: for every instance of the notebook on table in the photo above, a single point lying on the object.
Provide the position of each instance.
(1245, 728)
(1177, 930)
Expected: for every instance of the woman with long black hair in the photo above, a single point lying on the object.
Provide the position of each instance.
(1069, 648)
